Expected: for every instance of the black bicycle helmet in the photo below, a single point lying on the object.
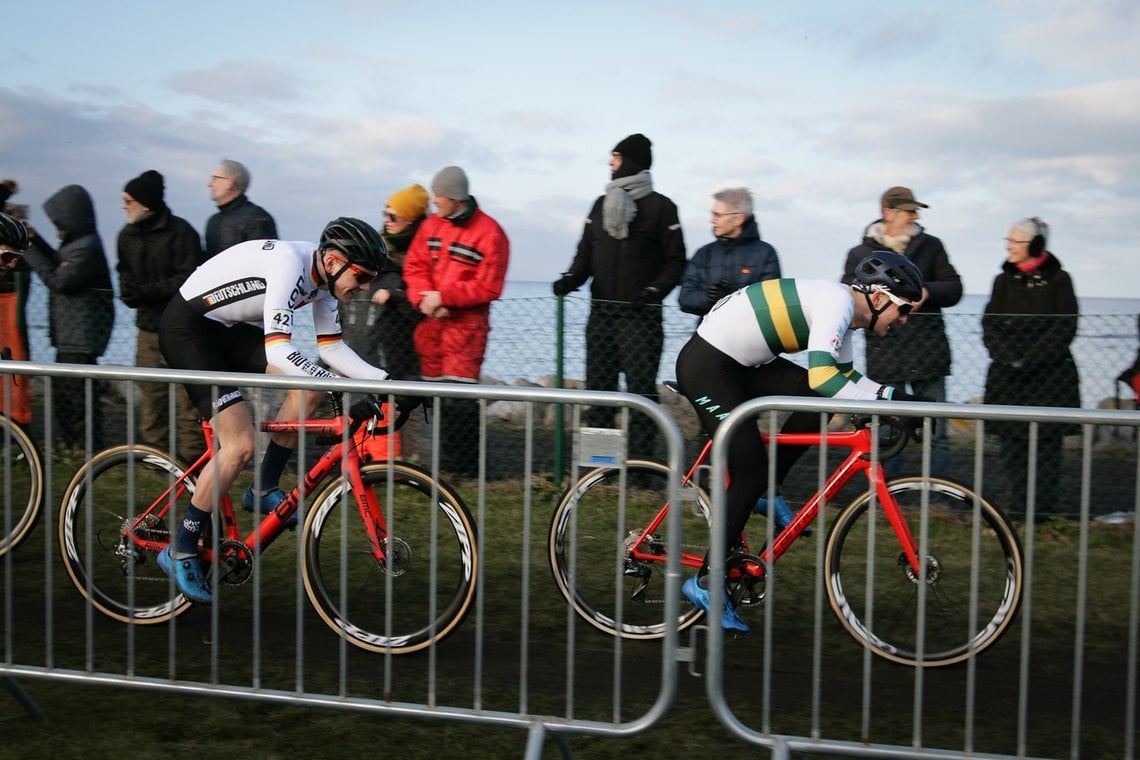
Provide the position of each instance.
(13, 233)
(893, 272)
(359, 241)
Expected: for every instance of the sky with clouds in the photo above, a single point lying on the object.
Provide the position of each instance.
(991, 110)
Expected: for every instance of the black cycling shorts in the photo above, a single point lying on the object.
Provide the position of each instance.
(189, 340)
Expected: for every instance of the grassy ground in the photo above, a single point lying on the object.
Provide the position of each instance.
(525, 666)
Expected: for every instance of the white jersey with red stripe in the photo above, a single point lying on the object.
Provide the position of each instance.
(264, 282)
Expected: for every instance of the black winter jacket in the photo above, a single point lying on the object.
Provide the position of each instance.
(82, 310)
(1027, 327)
(237, 221)
(739, 261)
(653, 255)
(156, 255)
(920, 349)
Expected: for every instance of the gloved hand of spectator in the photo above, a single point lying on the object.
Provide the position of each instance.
(717, 291)
(564, 284)
(647, 296)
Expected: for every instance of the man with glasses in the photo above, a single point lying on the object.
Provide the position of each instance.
(918, 354)
(235, 313)
(381, 322)
(738, 354)
(738, 257)
(238, 218)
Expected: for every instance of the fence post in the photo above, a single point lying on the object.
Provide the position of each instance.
(559, 360)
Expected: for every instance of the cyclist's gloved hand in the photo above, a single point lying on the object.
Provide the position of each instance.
(912, 426)
(648, 295)
(717, 290)
(365, 408)
(564, 284)
(405, 405)
(898, 394)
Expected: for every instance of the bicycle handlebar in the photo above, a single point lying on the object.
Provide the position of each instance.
(890, 446)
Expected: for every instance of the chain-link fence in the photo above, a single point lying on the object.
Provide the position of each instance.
(523, 350)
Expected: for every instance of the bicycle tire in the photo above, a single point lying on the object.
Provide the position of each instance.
(589, 549)
(880, 607)
(115, 576)
(21, 485)
(364, 609)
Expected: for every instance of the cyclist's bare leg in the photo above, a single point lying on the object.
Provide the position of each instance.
(281, 445)
(233, 428)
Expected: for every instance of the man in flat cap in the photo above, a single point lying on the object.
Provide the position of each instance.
(914, 356)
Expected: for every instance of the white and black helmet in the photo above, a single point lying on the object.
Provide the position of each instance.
(358, 240)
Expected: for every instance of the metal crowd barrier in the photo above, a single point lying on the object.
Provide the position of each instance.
(1062, 682)
(519, 659)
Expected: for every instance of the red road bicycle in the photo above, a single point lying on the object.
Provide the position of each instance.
(607, 550)
(389, 557)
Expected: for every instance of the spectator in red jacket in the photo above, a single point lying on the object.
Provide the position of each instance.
(454, 269)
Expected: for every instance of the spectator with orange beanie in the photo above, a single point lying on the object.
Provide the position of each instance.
(379, 323)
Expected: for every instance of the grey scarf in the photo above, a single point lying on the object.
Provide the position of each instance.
(619, 209)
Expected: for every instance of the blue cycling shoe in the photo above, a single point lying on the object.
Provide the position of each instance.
(699, 596)
(266, 503)
(187, 575)
(784, 514)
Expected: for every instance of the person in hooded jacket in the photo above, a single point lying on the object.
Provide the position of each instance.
(1027, 327)
(916, 356)
(736, 259)
(81, 304)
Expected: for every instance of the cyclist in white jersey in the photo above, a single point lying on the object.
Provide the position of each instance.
(736, 355)
(235, 313)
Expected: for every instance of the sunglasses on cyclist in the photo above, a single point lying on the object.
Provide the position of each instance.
(363, 276)
(905, 306)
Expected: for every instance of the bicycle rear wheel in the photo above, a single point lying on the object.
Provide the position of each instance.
(105, 497)
(21, 485)
(973, 563)
(590, 548)
(426, 589)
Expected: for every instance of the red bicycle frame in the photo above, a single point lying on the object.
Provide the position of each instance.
(860, 442)
(273, 524)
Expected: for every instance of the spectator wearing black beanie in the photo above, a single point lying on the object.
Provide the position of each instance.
(157, 252)
(148, 189)
(633, 251)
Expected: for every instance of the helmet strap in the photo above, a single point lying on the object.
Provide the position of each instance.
(874, 312)
(330, 279)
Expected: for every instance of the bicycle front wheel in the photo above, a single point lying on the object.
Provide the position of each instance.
(98, 512)
(591, 548)
(424, 590)
(973, 574)
(21, 485)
